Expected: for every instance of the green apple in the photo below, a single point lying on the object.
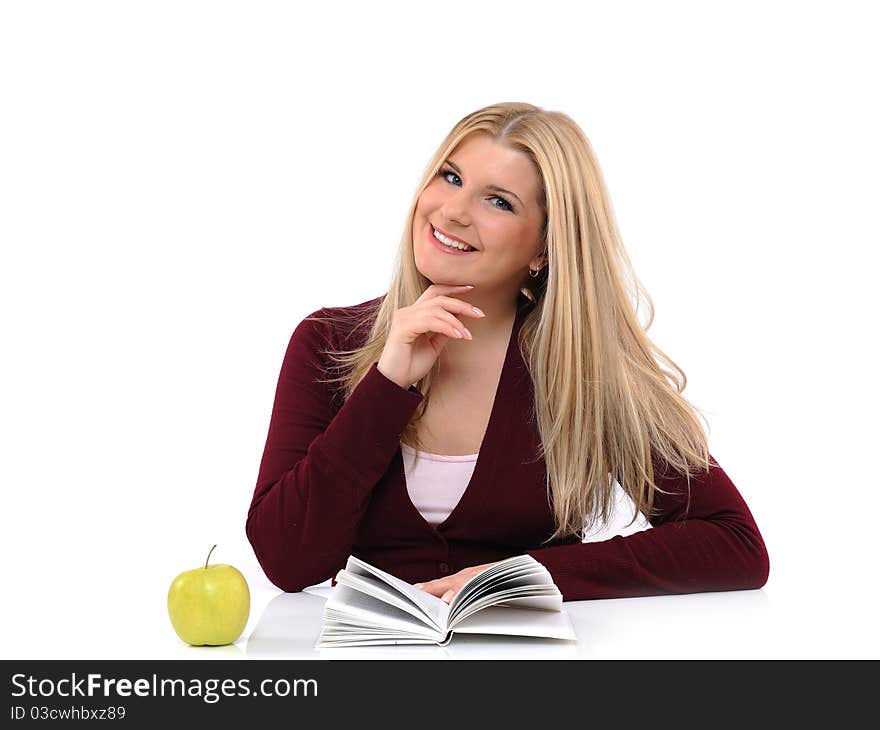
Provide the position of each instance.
(210, 605)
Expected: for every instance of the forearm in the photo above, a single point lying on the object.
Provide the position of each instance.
(304, 526)
(688, 557)
(704, 539)
(307, 506)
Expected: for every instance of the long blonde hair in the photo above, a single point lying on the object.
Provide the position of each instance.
(606, 409)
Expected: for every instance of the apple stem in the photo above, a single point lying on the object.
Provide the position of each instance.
(209, 557)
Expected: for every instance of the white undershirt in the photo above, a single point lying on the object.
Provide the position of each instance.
(437, 483)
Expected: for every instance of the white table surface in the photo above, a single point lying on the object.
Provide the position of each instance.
(636, 627)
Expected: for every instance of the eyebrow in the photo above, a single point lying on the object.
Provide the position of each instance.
(488, 187)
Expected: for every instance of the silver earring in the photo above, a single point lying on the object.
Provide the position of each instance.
(534, 272)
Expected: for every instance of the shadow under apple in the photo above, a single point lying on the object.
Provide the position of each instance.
(227, 651)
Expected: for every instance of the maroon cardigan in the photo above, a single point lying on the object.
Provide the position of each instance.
(331, 483)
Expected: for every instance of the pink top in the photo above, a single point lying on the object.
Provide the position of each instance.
(437, 482)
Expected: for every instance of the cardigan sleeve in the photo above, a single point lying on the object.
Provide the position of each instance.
(320, 463)
(704, 538)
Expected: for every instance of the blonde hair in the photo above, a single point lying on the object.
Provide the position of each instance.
(605, 407)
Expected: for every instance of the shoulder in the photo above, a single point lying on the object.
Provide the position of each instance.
(341, 327)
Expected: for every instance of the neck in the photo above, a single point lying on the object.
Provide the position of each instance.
(490, 333)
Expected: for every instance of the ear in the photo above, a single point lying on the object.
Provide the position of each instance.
(538, 262)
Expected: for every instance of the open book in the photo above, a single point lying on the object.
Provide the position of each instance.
(515, 597)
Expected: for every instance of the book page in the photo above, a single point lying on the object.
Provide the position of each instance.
(437, 610)
(491, 584)
(341, 630)
(518, 622)
(349, 604)
(331, 642)
(514, 576)
(518, 565)
(372, 586)
(522, 599)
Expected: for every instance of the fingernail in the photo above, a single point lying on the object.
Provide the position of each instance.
(467, 333)
(417, 585)
(479, 311)
(447, 596)
(469, 286)
(458, 333)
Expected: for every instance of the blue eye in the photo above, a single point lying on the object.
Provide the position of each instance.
(444, 173)
(447, 172)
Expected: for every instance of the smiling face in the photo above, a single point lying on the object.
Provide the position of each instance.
(485, 195)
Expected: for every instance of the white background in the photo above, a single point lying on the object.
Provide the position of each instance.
(182, 182)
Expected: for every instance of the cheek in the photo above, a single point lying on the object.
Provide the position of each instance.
(429, 200)
(508, 236)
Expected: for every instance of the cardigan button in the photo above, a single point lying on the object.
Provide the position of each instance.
(444, 568)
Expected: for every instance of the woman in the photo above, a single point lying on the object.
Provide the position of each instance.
(508, 360)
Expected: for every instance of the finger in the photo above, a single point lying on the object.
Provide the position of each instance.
(434, 587)
(443, 312)
(457, 328)
(436, 290)
(438, 341)
(458, 306)
(447, 597)
(427, 322)
(442, 325)
(447, 307)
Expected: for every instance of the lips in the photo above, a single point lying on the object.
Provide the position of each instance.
(449, 235)
(446, 250)
(432, 228)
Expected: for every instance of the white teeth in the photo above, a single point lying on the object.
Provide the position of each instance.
(449, 242)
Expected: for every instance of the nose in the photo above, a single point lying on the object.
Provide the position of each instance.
(455, 210)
